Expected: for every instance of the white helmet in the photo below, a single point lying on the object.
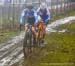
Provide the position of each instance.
(43, 5)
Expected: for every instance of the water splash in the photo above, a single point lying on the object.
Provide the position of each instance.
(51, 27)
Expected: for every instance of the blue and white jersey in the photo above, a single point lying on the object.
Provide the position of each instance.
(46, 17)
(26, 15)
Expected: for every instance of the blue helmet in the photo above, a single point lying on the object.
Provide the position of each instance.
(30, 6)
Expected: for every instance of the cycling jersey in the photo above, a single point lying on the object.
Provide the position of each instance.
(28, 17)
(45, 15)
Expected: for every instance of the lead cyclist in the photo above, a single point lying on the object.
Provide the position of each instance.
(29, 17)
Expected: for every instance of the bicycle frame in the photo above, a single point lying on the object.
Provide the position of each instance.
(28, 42)
(41, 32)
(41, 27)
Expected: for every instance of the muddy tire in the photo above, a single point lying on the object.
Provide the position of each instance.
(27, 44)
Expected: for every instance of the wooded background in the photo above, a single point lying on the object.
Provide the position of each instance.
(10, 10)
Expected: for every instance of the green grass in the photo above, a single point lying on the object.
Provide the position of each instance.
(7, 35)
(60, 49)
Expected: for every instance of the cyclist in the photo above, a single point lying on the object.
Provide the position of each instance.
(45, 15)
(29, 17)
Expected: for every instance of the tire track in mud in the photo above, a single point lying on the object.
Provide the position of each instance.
(51, 27)
(6, 51)
(12, 42)
(11, 51)
(11, 55)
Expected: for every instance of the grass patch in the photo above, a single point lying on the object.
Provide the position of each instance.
(60, 49)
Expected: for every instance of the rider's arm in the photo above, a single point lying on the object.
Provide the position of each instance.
(38, 11)
(22, 17)
(36, 17)
(49, 14)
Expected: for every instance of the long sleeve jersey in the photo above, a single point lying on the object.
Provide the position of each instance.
(25, 15)
(46, 16)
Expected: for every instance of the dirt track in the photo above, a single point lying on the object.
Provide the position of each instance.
(11, 51)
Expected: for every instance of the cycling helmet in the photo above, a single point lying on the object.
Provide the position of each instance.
(30, 6)
(43, 5)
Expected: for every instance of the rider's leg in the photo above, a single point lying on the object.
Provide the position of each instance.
(33, 30)
(26, 27)
(44, 33)
(34, 37)
(44, 27)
